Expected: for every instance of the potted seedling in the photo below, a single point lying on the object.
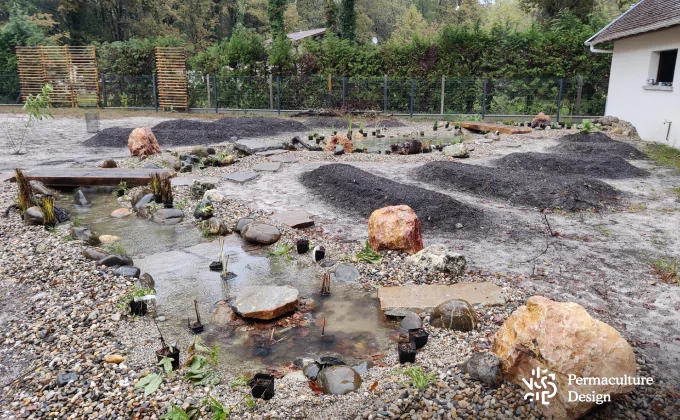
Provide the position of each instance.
(418, 336)
(448, 124)
(435, 126)
(349, 129)
(155, 185)
(222, 264)
(318, 253)
(136, 299)
(310, 136)
(422, 134)
(166, 193)
(407, 352)
(195, 327)
(262, 386)
(302, 245)
(121, 189)
(166, 350)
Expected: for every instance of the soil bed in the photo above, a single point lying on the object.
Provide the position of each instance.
(538, 189)
(594, 137)
(349, 188)
(613, 148)
(340, 124)
(603, 167)
(192, 132)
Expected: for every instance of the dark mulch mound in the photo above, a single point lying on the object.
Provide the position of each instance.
(349, 188)
(528, 188)
(594, 137)
(340, 124)
(551, 163)
(195, 133)
(612, 148)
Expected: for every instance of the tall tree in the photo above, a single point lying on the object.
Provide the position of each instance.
(331, 14)
(549, 9)
(348, 18)
(275, 11)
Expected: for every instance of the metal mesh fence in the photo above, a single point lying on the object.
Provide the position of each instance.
(489, 97)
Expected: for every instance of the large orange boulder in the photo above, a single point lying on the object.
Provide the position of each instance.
(143, 143)
(396, 228)
(553, 349)
(541, 121)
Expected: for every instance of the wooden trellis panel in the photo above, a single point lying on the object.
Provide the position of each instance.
(72, 72)
(172, 78)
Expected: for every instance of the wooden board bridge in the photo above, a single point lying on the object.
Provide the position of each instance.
(501, 128)
(81, 177)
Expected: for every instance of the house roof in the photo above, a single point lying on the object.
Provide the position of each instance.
(299, 36)
(645, 16)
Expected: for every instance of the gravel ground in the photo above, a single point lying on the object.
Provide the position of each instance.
(526, 188)
(59, 315)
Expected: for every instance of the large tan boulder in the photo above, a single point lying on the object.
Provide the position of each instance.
(561, 339)
(395, 228)
(541, 120)
(143, 143)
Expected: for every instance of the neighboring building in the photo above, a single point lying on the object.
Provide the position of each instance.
(643, 73)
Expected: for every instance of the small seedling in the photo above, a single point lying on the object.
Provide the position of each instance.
(419, 379)
(368, 255)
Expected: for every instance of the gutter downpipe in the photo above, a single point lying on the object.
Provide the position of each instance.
(599, 51)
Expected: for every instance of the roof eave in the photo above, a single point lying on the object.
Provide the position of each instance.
(589, 41)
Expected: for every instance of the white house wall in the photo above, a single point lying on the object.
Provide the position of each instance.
(627, 99)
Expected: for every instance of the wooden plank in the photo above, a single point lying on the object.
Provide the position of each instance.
(78, 177)
(501, 128)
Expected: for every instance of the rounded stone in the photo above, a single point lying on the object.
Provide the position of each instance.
(454, 314)
(339, 380)
(410, 321)
(261, 233)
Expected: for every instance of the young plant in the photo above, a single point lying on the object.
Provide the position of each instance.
(155, 184)
(281, 249)
(177, 413)
(368, 255)
(116, 248)
(38, 109)
(123, 100)
(166, 190)
(120, 190)
(135, 292)
(200, 363)
(587, 126)
(668, 270)
(419, 379)
(25, 198)
(47, 207)
(435, 126)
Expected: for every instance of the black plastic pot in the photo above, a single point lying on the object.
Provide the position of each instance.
(407, 352)
(365, 134)
(310, 138)
(167, 204)
(120, 193)
(158, 199)
(422, 134)
(373, 133)
(138, 308)
(418, 336)
(173, 355)
(195, 327)
(216, 266)
(302, 246)
(262, 386)
(228, 276)
(319, 253)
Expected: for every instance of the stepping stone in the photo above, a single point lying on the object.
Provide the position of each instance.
(267, 167)
(254, 146)
(189, 180)
(295, 219)
(284, 158)
(346, 273)
(513, 145)
(400, 300)
(271, 152)
(241, 177)
(265, 302)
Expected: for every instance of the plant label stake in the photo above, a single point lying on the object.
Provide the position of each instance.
(326, 285)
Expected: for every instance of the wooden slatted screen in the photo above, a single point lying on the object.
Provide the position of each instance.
(172, 78)
(72, 72)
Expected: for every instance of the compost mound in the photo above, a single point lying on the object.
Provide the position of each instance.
(594, 137)
(562, 164)
(527, 188)
(195, 133)
(613, 148)
(341, 124)
(359, 192)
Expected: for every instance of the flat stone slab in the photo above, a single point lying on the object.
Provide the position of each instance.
(400, 300)
(265, 302)
(267, 167)
(254, 146)
(284, 158)
(241, 177)
(295, 219)
(346, 273)
(271, 152)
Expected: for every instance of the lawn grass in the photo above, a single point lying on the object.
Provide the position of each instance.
(668, 269)
(664, 155)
